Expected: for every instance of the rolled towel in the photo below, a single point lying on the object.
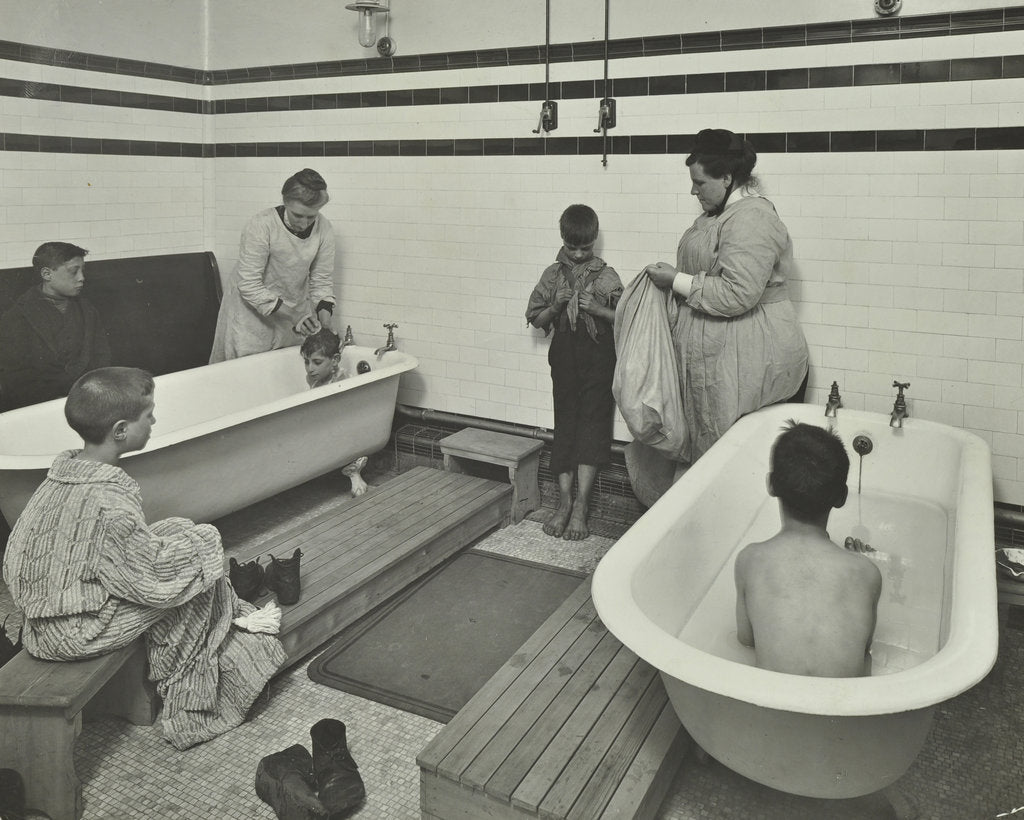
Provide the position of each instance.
(267, 619)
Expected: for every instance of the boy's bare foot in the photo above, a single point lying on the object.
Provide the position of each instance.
(555, 525)
(577, 528)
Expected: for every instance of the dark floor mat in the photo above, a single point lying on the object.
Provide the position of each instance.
(430, 648)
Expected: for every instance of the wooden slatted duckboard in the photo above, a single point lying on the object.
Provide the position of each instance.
(362, 552)
(573, 726)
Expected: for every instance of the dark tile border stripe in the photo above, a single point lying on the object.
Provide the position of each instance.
(1008, 18)
(930, 71)
(942, 139)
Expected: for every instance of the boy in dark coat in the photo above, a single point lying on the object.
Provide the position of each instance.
(51, 335)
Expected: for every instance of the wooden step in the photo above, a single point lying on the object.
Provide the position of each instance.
(360, 553)
(573, 726)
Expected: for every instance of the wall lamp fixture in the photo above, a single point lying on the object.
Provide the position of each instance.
(367, 24)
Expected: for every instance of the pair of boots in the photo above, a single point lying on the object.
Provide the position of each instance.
(281, 577)
(321, 786)
(12, 798)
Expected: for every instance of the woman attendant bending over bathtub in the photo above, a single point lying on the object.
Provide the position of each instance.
(92, 576)
(283, 286)
(737, 335)
(805, 604)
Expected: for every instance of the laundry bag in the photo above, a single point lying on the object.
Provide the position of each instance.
(646, 384)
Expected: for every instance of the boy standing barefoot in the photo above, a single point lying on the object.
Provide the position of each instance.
(577, 296)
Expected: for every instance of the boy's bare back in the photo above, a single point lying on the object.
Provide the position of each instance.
(807, 605)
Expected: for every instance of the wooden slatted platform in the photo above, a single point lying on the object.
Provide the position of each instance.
(359, 554)
(573, 726)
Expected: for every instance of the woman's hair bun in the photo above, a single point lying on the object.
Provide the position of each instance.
(307, 187)
(311, 179)
(718, 141)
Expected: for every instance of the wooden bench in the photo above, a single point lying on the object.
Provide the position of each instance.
(41, 708)
(573, 726)
(520, 455)
(355, 556)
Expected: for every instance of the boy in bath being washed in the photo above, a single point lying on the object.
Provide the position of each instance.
(806, 605)
(321, 354)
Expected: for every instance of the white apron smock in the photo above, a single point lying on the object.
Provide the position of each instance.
(273, 263)
(739, 342)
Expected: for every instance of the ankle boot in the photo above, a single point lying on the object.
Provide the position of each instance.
(282, 577)
(247, 579)
(285, 781)
(12, 795)
(341, 787)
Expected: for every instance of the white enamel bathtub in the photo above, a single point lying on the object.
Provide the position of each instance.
(226, 435)
(666, 590)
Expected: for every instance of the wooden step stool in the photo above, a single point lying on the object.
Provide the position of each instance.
(520, 454)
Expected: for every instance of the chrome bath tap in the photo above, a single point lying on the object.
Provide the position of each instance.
(834, 402)
(390, 343)
(899, 407)
(349, 339)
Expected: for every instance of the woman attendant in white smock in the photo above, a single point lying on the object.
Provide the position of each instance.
(282, 288)
(739, 343)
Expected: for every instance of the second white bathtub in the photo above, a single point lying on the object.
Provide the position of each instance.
(666, 590)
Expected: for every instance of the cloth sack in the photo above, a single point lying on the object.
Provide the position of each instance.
(646, 384)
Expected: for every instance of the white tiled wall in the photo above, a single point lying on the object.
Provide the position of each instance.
(910, 264)
(112, 205)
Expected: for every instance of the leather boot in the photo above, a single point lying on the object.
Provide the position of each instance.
(284, 780)
(12, 795)
(337, 777)
(282, 577)
(247, 579)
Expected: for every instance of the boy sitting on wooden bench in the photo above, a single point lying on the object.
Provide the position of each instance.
(92, 576)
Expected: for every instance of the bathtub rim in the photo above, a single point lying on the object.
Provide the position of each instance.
(400, 362)
(967, 656)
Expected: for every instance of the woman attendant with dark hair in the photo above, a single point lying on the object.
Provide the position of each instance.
(282, 289)
(739, 343)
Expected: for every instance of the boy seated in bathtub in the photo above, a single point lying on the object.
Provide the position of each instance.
(806, 605)
(91, 575)
(321, 353)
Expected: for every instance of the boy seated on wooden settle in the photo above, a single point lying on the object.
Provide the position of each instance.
(805, 604)
(92, 576)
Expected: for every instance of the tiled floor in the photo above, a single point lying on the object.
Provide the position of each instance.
(971, 768)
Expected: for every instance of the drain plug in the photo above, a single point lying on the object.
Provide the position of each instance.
(862, 445)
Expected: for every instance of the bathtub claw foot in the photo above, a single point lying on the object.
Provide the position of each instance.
(353, 471)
